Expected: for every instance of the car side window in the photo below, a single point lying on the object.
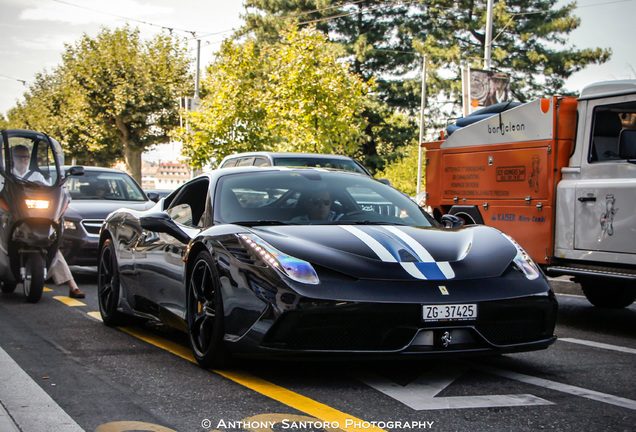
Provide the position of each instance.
(613, 132)
(247, 161)
(188, 207)
(182, 214)
(228, 163)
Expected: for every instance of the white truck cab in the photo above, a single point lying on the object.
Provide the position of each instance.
(595, 229)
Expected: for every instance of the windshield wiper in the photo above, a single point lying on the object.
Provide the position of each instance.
(368, 222)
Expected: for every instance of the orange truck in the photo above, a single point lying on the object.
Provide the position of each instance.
(557, 174)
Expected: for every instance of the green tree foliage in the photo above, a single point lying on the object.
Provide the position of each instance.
(292, 95)
(529, 43)
(114, 95)
(402, 172)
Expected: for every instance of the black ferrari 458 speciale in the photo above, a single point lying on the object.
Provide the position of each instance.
(312, 262)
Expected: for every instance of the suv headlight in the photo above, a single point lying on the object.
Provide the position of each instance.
(70, 225)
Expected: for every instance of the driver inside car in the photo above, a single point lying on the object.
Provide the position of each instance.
(317, 206)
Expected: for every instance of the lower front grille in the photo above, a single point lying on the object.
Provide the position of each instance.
(521, 321)
(347, 328)
(512, 332)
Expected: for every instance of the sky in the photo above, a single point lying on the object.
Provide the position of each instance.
(33, 33)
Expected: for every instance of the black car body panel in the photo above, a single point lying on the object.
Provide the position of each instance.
(357, 285)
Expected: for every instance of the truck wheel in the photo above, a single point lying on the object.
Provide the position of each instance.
(470, 214)
(601, 294)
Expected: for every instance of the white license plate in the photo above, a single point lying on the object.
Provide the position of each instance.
(453, 312)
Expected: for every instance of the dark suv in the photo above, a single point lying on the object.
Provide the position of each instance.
(94, 195)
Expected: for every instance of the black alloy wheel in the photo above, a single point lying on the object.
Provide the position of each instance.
(205, 314)
(108, 285)
(34, 279)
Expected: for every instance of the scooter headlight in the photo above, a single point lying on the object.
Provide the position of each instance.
(294, 268)
(37, 204)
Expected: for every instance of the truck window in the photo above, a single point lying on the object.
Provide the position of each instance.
(609, 142)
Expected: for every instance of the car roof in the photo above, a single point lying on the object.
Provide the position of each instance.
(272, 156)
(97, 169)
(288, 155)
(216, 174)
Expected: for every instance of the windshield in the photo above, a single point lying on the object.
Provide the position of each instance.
(105, 185)
(311, 197)
(32, 157)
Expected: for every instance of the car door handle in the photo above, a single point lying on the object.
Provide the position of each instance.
(587, 199)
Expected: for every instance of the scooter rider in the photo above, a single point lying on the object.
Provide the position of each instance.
(60, 272)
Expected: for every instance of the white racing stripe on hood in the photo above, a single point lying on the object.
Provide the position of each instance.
(421, 252)
(375, 245)
(426, 261)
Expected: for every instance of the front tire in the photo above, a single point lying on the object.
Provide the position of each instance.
(108, 285)
(205, 314)
(603, 295)
(34, 281)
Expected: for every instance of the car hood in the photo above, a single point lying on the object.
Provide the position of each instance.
(396, 252)
(99, 209)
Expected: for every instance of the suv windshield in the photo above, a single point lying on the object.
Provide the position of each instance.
(106, 185)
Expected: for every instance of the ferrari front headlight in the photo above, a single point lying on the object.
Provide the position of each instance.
(294, 268)
(522, 261)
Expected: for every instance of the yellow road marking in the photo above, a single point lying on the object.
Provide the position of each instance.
(69, 301)
(96, 315)
(297, 401)
(167, 345)
(302, 403)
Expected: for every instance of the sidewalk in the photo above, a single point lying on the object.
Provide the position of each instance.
(6, 422)
(25, 407)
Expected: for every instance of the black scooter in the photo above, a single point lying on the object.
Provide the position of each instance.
(32, 202)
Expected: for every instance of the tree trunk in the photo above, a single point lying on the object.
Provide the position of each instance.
(132, 158)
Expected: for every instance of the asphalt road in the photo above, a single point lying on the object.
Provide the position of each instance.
(62, 369)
